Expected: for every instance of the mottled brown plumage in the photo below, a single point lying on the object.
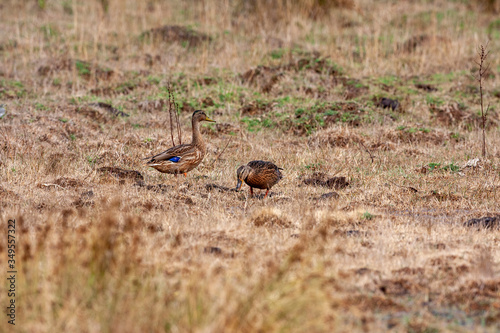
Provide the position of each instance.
(186, 157)
(258, 174)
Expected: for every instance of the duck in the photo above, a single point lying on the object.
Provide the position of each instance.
(183, 158)
(258, 174)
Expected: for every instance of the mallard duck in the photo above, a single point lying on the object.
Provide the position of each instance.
(258, 174)
(186, 157)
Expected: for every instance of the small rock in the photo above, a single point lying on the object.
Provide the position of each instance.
(472, 163)
(387, 103)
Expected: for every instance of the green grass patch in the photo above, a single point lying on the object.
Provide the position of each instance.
(257, 124)
(434, 100)
(435, 166)
(82, 68)
(368, 216)
(388, 80)
(277, 54)
(10, 89)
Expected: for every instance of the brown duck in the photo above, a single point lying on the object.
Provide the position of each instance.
(186, 157)
(258, 174)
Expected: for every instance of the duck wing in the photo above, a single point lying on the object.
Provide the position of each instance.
(263, 165)
(177, 151)
(266, 169)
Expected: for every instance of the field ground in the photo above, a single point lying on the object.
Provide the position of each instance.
(297, 83)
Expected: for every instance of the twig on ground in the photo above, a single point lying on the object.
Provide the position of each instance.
(223, 150)
(483, 69)
(406, 187)
(172, 112)
(366, 149)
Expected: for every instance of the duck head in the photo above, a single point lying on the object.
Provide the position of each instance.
(242, 174)
(200, 115)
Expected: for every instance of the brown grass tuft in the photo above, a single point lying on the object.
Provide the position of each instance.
(359, 91)
(270, 217)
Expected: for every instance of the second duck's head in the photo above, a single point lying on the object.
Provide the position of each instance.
(242, 174)
(200, 115)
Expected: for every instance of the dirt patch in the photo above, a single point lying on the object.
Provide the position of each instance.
(121, 173)
(335, 137)
(207, 81)
(384, 146)
(176, 34)
(416, 135)
(185, 199)
(84, 69)
(350, 113)
(68, 182)
(476, 296)
(425, 87)
(54, 65)
(211, 187)
(455, 114)
(321, 179)
(266, 77)
(158, 188)
(417, 42)
(441, 196)
(487, 222)
(401, 286)
(328, 196)
(85, 200)
(354, 88)
(7, 196)
(450, 265)
(409, 271)
(368, 303)
(255, 108)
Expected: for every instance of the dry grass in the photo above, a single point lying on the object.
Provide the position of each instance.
(108, 250)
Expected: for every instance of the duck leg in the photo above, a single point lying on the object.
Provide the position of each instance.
(251, 192)
(266, 193)
(185, 174)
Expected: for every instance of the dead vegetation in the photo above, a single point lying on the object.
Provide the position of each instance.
(176, 34)
(386, 219)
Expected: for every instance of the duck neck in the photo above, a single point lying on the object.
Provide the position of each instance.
(197, 139)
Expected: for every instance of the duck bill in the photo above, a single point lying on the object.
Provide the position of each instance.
(210, 120)
(238, 186)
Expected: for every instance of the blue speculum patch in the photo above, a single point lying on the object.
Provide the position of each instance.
(175, 159)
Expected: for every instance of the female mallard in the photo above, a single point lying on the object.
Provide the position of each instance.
(186, 157)
(258, 174)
